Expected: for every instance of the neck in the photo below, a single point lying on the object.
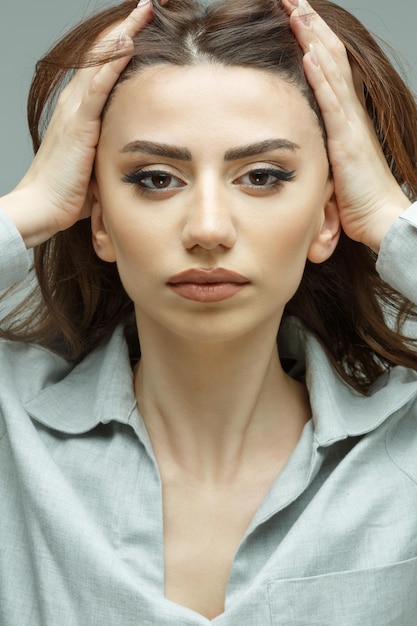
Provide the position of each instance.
(210, 406)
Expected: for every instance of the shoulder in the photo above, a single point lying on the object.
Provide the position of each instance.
(28, 368)
(396, 395)
(52, 391)
(401, 440)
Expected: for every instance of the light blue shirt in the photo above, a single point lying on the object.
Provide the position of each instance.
(334, 543)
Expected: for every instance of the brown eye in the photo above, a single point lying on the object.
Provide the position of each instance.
(259, 178)
(152, 181)
(159, 180)
(265, 178)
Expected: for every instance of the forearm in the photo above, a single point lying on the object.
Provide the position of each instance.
(397, 258)
(27, 215)
(14, 258)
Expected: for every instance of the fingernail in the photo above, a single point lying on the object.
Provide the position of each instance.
(304, 12)
(122, 39)
(313, 55)
(294, 3)
(142, 3)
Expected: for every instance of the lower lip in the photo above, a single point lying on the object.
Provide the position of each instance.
(207, 292)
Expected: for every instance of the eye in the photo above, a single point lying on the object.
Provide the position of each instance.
(152, 181)
(265, 177)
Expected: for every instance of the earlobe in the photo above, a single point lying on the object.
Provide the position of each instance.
(102, 242)
(326, 240)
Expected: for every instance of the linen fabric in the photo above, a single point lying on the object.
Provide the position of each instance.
(334, 543)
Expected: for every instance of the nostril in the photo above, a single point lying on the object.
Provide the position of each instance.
(209, 229)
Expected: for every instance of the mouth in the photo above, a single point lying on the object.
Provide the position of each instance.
(207, 284)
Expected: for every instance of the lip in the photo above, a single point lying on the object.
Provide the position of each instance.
(211, 284)
(202, 275)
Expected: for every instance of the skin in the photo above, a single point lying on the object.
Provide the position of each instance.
(210, 216)
(238, 416)
(368, 196)
(243, 453)
(55, 201)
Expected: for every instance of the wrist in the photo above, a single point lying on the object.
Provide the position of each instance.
(26, 213)
(386, 218)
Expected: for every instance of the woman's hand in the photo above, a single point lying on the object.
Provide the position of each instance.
(368, 196)
(53, 194)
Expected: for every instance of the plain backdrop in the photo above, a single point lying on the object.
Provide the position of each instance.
(29, 27)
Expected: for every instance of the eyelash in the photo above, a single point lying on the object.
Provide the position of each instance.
(280, 176)
(138, 177)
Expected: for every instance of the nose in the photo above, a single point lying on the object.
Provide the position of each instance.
(209, 221)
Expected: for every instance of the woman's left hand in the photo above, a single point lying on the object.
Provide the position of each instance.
(368, 196)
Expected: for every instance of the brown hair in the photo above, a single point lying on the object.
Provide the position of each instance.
(343, 301)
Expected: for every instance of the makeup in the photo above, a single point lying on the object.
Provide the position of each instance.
(207, 284)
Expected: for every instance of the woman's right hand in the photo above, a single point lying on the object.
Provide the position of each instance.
(54, 193)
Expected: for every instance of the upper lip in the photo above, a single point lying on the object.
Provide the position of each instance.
(205, 275)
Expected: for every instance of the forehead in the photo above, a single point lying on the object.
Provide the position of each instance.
(209, 102)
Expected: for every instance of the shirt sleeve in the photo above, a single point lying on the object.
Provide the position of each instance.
(397, 259)
(14, 257)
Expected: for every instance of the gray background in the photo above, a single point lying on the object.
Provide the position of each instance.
(29, 27)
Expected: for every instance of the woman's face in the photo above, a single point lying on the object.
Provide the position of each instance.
(209, 168)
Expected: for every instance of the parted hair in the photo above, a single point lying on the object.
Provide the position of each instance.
(80, 299)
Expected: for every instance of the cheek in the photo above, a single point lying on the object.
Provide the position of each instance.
(287, 237)
(135, 231)
(148, 250)
(283, 247)
(136, 254)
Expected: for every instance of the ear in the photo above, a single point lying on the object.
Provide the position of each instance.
(325, 241)
(102, 242)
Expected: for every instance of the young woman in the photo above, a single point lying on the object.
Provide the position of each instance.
(210, 176)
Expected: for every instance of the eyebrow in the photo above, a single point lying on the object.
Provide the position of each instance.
(260, 148)
(234, 154)
(158, 149)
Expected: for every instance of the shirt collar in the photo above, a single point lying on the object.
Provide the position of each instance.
(97, 390)
(100, 389)
(338, 410)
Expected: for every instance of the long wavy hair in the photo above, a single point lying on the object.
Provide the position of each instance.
(343, 300)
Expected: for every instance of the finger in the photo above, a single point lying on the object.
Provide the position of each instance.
(90, 87)
(304, 16)
(320, 65)
(309, 28)
(331, 100)
(348, 126)
(130, 27)
(313, 33)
